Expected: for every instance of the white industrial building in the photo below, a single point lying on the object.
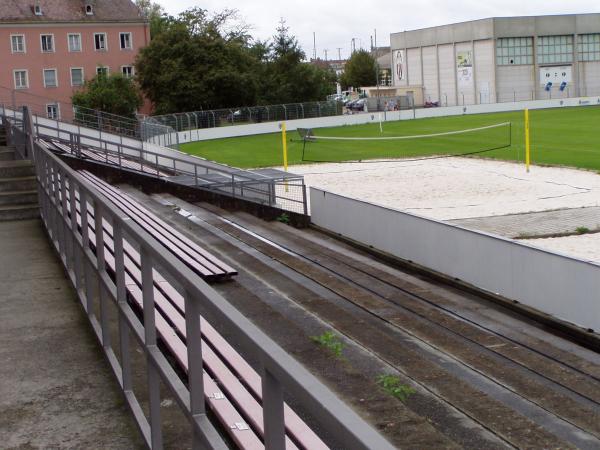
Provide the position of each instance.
(500, 59)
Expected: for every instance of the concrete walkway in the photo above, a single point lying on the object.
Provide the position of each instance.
(56, 389)
(536, 224)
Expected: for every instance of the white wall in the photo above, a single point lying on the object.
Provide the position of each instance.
(515, 82)
(485, 77)
(563, 287)
(430, 74)
(466, 90)
(447, 71)
(590, 77)
(356, 119)
(415, 77)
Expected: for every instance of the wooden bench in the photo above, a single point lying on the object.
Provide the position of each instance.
(209, 267)
(232, 388)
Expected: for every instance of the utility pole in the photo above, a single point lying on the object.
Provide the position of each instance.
(377, 69)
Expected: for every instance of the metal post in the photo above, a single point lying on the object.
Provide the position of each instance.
(194, 353)
(150, 345)
(273, 412)
(99, 232)
(124, 337)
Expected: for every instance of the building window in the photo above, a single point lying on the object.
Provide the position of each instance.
(555, 49)
(76, 76)
(100, 41)
(37, 9)
(74, 42)
(17, 43)
(125, 39)
(47, 43)
(514, 51)
(50, 78)
(21, 79)
(102, 70)
(127, 71)
(89, 10)
(52, 111)
(588, 47)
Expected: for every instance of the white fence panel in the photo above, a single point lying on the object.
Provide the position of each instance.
(564, 287)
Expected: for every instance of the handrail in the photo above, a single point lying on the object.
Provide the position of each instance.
(280, 372)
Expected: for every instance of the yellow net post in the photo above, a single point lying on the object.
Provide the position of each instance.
(285, 155)
(527, 144)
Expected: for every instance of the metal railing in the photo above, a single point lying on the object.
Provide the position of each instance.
(134, 128)
(195, 120)
(286, 194)
(97, 288)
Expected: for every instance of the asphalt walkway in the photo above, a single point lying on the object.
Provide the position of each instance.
(56, 389)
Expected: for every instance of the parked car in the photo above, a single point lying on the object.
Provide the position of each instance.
(358, 105)
(234, 116)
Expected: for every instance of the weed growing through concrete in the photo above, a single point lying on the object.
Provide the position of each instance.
(331, 342)
(283, 218)
(582, 230)
(392, 385)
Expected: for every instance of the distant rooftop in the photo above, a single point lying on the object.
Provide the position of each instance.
(23, 11)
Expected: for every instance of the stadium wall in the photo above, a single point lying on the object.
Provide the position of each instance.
(390, 116)
(563, 287)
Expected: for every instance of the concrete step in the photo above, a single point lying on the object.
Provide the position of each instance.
(21, 168)
(19, 212)
(18, 197)
(18, 184)
(7, 155)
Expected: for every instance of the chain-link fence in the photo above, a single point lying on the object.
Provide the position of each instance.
(245, 115)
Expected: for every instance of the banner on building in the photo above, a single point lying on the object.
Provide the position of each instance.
(464, 67)
(556, 75)
(399, 64)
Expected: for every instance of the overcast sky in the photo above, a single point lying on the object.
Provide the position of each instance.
(336, 23)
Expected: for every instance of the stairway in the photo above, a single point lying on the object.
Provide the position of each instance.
(18, 193)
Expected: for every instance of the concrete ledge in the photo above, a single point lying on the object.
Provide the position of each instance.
(582, 336)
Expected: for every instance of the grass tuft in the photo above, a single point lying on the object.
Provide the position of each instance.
(331, 342)
(392, 385)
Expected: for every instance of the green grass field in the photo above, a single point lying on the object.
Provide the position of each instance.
(565, 137)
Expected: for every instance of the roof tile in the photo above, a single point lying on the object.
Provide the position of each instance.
(69, 11)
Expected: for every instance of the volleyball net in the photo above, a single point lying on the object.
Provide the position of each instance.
(318, 147)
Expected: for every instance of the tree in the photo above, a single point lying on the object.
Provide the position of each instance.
(287, 78)
(360, 70)
(155, 14)
(113, 93)
(209, 61)
(199, 62)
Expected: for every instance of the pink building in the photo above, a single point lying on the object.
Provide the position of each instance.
(49, 47)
